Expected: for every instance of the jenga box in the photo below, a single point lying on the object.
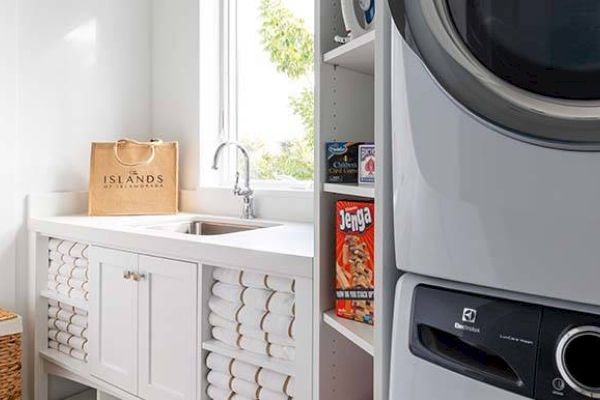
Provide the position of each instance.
(355, 238)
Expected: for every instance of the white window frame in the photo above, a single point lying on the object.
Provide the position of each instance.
(226, 14)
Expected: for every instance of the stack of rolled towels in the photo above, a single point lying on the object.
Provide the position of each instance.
(231, 379)
(68, 330)
(253, 312)
(68, 268)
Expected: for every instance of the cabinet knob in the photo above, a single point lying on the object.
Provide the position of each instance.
(138, 277)
(127, 274)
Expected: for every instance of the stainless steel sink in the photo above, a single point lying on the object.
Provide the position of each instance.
(205, 228)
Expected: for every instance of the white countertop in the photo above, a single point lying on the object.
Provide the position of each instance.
(285, 249)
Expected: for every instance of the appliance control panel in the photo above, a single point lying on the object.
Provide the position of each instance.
(538, 352)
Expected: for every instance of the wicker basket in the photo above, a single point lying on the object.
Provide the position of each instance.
(11, 327)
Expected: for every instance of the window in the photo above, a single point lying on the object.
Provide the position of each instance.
(257, 88)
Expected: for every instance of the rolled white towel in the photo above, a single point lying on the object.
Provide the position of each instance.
(216, 320)
(65, 338)
(226, 336)
(266, 394)
(82, 262)
(54, 255)
(291, 387)
(53, 244)
(71, 292)
(253, 345)
(245, 371)
(282, 352)
(251, 332)
(257, 298)
(71, 317)
(65, 247)
(254, 280)
(229, 292)
(68, 259)
(64, 326)
(63, 306)
(77, 354)
(70, 282)
(274, 380)
(215, 393)
(250, 316)
(282, 303)
(281, 284)
(245, 388)
(220, 379)
(219, 362)
(279, 325)
(224, 308)
(85, 253)
(68, 270)
(282, 340)
(227, 275)
(77, 250)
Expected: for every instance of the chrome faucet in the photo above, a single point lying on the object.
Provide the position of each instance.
(246, 192)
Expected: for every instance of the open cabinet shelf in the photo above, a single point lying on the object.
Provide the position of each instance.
(350, 189)
(358, 333)
(353, 104)
(357, 55)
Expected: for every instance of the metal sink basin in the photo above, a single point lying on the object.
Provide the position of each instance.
(205, 228)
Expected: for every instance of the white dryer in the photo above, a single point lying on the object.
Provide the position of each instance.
(496, 124)
(454, 341)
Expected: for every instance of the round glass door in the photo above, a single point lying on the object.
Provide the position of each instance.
(531, 68)
(549, 47)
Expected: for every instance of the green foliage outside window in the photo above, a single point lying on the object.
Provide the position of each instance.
(289, 44)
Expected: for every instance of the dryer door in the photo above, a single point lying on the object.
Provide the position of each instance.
(531, 68)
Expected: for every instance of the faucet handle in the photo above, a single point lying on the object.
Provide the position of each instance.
(236, 187)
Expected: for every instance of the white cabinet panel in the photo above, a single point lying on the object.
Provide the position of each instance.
(113, 318)
(167, 329)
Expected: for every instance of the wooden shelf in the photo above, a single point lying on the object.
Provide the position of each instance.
(282, 366)
(48, 294)
(358, 333)
(350, 189)
(358, 54)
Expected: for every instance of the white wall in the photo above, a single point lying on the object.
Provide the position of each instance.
(175, 80)
(71, 72)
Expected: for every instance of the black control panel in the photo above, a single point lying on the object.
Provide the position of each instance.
(538, 352)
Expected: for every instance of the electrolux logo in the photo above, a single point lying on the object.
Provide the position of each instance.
(469, 315)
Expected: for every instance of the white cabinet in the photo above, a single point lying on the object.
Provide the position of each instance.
(143, 313)
(113, 319)
(167, 329)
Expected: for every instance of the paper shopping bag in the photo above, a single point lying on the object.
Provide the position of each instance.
(134, 178)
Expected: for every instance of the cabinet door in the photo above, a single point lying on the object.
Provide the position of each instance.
(113, 318)
(168, 326)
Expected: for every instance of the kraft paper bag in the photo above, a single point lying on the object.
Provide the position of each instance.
(134, 178)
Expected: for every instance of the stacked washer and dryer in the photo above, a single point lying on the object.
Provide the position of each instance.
(496, 129)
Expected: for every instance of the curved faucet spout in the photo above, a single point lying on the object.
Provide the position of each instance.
(246, 191)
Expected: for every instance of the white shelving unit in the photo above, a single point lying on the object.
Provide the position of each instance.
(367, 192)
(353, 104)
(360, 334)
(357, 55)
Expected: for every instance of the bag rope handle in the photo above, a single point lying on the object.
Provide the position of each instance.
(150, 144)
